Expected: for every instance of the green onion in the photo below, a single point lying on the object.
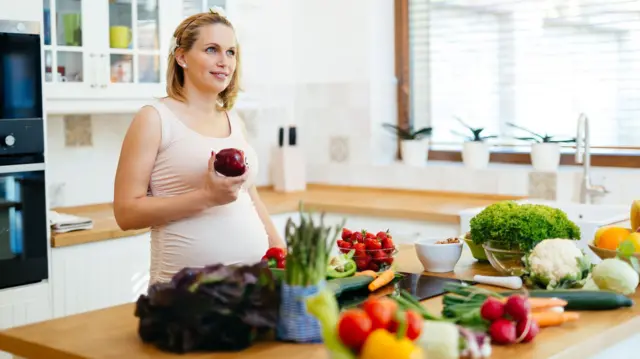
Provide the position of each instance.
(308, 249)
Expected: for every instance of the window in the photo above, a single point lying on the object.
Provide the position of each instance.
(538, 64)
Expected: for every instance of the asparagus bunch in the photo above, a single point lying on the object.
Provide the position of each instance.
(308, 249)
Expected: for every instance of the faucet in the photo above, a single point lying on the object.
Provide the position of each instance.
(588, 191)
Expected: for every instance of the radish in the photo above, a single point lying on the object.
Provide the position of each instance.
(518, 308)
(503, 331)
(524, 335)
(492, 309)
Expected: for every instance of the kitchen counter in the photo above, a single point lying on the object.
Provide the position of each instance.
(111, 333)
(390, 203)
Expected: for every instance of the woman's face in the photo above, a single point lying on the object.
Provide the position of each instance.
(211, 62)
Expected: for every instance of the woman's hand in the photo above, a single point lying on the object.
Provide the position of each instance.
(221, 190)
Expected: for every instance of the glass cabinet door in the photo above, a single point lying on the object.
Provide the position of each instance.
(190, 7)
(63, 40)
(134, 42)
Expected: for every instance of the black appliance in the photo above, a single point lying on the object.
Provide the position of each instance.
(23, 207)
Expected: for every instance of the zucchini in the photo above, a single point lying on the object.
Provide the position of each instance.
(340, 285)
(582, 299)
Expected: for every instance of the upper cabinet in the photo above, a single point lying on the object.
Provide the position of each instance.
(191, 7)
(106, 55)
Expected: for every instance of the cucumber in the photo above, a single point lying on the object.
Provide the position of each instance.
(583, 299)
(340, 285)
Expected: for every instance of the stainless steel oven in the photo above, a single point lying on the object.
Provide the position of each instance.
(23, 206)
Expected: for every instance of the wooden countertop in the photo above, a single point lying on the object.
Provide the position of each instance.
(112, 333)
(391, 203)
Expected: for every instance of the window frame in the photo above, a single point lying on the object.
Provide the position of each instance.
(601, 156)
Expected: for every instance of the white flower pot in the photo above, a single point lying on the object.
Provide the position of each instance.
(545, 157)
(475, 154)
(415, 152)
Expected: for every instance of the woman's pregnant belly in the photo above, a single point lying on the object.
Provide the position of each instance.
(229, 234)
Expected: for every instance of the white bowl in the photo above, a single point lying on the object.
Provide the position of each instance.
(438, 258)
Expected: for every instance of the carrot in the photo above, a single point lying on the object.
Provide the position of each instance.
(367, 272)
(543, 303)
(383, 279)
(553, 318)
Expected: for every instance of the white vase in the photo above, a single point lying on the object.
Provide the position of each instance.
(415, 152)
(545, 157)
(475, 154)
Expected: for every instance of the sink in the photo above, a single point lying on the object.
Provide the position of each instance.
(589, 217)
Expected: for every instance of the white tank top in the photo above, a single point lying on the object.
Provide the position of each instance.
(228, 234)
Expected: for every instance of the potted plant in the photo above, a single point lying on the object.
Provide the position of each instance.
(414, 145)
(545, 151)
(475, 150)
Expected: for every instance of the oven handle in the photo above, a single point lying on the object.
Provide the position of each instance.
(31, 167)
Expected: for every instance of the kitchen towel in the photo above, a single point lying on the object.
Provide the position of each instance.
(63, 222)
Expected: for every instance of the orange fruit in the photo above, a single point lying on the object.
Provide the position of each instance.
(612, 237)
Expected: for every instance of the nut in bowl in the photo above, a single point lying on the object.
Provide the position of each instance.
(438, 255)
(372, 251)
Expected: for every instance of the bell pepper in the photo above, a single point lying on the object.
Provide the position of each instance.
(275, 257)
(381, 342)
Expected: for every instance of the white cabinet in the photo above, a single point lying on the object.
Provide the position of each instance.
(101, 274)
(105, 55)
(24, 305)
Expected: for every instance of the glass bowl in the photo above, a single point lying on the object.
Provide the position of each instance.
(504, 259)
(375, 260)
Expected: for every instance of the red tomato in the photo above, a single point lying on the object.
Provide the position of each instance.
(354, 327)
(414, 323)
(381, 312)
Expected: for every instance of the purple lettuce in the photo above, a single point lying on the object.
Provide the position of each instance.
(216, 308)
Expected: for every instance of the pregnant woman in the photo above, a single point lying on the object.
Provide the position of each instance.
(165, 178)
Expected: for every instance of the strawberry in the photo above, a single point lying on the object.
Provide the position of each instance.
(387, 245)
(359, 247)
(344, 246)
(374, 267)
(346, 234)
(381, 235)
(372, 244)
(356, 237)
(362, 263)
(368, 234)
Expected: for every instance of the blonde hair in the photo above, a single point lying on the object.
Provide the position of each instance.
(185, 36)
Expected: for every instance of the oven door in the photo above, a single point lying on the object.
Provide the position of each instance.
(23, 225)
(20, 70)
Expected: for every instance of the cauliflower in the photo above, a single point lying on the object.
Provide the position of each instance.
(557, 263)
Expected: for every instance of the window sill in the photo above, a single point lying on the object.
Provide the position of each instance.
(620, 158)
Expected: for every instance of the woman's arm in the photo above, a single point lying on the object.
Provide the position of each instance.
(132, 208)
(274, 238)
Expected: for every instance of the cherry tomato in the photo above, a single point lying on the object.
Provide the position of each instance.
(414, 322)
(381, 311)
(354, 327)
